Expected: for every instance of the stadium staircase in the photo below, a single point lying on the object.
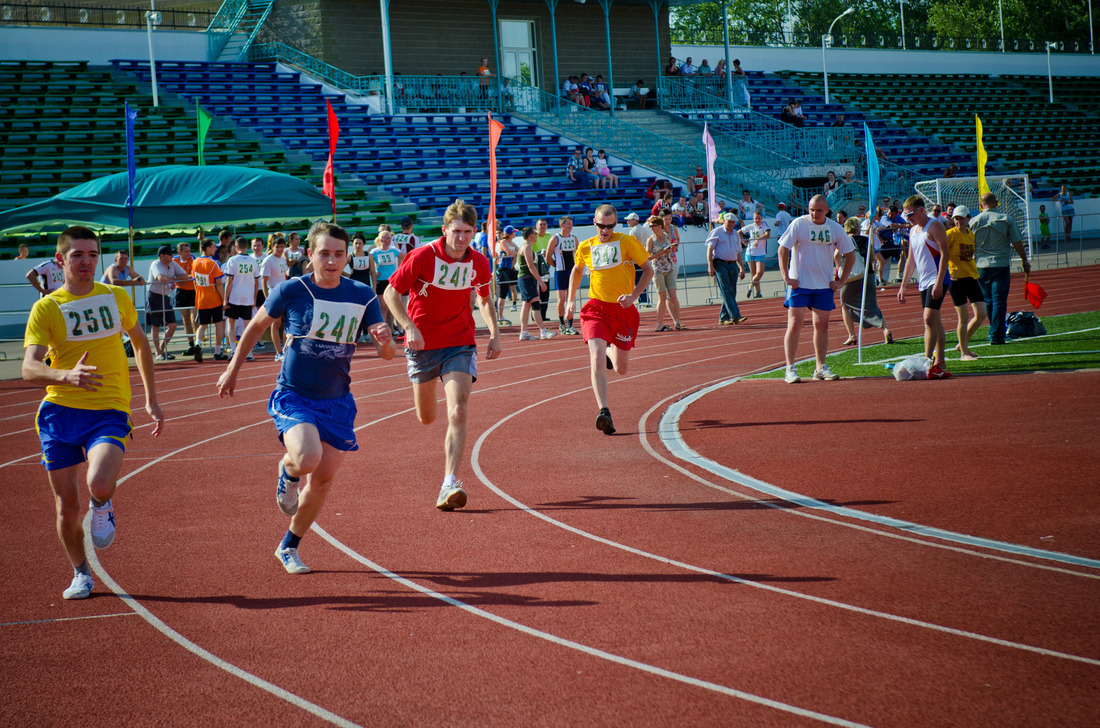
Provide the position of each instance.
(1022, 133)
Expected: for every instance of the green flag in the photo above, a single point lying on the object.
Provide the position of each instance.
(204, 119)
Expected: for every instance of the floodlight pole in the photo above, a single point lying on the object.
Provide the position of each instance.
(1050, 81)
(1091, 49)
(828, 36)
(150, 16)
(387, 57)
(901, 6)
(1001, 16)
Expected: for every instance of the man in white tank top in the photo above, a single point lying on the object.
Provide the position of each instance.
(928, 254)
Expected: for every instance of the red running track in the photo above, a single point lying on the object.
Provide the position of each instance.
(591, 580)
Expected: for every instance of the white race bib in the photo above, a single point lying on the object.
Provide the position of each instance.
(568, 244)
(202, 279)
(360, 262)
(56, 278)
(821, 235)
(94, 317)
(336, 322)
(246, 268)
(385, 257)
(453, 276)
(606, 255)
(293, 255)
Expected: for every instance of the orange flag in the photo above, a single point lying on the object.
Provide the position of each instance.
(495, 128)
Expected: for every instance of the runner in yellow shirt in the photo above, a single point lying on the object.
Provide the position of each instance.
(86, 412)
(609, 317)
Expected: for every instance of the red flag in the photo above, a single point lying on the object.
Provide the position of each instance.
(1034, 293)
(495, 128)
(329, 185)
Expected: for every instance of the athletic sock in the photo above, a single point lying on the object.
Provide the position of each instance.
(561, 321)
(290, 541)
(570, 322)
(82, 569)
(448, 481)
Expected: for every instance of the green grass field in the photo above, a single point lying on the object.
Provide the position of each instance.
(1071, 342)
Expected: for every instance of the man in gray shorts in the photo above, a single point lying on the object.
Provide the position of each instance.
(439, 330)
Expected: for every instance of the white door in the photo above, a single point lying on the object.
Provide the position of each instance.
(519, 59)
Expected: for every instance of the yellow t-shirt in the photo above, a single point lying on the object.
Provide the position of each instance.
(71, 325)
(611, 265)
(960, 254)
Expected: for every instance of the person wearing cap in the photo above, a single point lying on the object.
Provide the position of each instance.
(609, 320)
(164, 274)
(995, 237)
(723, 253)
(782, 220)
(406, 241)
(964, 281)
(809, 272)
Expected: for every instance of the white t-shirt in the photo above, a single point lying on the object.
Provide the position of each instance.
(752, 232)
(926, 254)
(812, 249)
(782, 220)
(747, 209)
(869, 229)
(245, 269)
(52, 275)
(274, 269)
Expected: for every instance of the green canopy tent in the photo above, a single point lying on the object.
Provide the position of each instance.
(175, 198)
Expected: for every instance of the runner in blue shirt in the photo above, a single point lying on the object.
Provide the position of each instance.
(312, 405)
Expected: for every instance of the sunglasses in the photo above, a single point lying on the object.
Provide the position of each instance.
(907, 214)
(607, 225)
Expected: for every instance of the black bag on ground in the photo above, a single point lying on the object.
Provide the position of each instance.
(1022, 324)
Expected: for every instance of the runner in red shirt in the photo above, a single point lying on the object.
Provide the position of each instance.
(439, 330)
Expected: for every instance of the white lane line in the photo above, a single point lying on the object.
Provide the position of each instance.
(755, 498)
(68, 619)
(475, 460)
(669, 432)
(583, 648)
(164, 629)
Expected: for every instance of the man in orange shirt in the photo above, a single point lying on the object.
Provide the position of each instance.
(609, 321)
(185, 296)
(209, 299)
(484, 74)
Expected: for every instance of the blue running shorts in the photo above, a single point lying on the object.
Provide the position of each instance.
(333, 418)
(820, 299)
(67, 433)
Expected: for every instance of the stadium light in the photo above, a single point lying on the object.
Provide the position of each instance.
(1001, 16)
(1050, 81)
(828, 36)
(901, 7)
(152, 17)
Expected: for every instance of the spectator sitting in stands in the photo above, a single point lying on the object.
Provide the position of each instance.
(673, 68)
(839, 120)
(575, 170)
(584, 85)
(697, 182)
(657, 189)
(737, 70)
(951, 171)
(832, 184)
(792, 113)
(24, 252)
(570, 90)
(610, 179)
(704, 69)
(662, 203)
(687, 69)
(720, 68)
(849, 179)
(601, 94)
(638, 93)
(697, 210)
(506, 94)
(590, 169)
(680, 212)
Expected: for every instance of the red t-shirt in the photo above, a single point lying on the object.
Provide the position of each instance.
(438, 288)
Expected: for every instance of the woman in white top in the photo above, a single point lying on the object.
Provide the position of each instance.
(273, 271)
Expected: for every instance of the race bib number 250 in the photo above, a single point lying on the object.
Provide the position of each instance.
(94, 317)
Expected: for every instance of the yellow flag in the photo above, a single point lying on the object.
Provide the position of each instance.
(983, 187)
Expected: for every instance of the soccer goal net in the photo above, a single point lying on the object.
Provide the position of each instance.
(1013, 197)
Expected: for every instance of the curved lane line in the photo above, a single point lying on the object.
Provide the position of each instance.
(586, 649)
(475, 460)
(669, 432)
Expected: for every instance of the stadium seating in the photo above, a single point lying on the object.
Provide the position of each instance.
(429, 159)
(1054, 143)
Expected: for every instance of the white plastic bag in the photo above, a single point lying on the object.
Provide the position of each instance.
(915, 367)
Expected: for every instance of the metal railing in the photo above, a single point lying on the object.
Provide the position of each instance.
(77, 16)
(223, 25)
(646, 148)
(712, 36)
(459, 94)
(702, 92)
(318, 69)
(267, 6)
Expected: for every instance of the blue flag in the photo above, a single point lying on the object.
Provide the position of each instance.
(131, 167)
(872, 170)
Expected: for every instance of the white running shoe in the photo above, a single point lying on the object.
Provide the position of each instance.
(103, 525)
(451, 497)
(286, 492)
(791, 376)
(823, 374)
(249, 357)
(527, 336)
(81, 588)
(290, 561)
(278, 357)
(548, 334)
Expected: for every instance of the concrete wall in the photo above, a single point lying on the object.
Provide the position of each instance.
(97, 46)
(868, 60)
